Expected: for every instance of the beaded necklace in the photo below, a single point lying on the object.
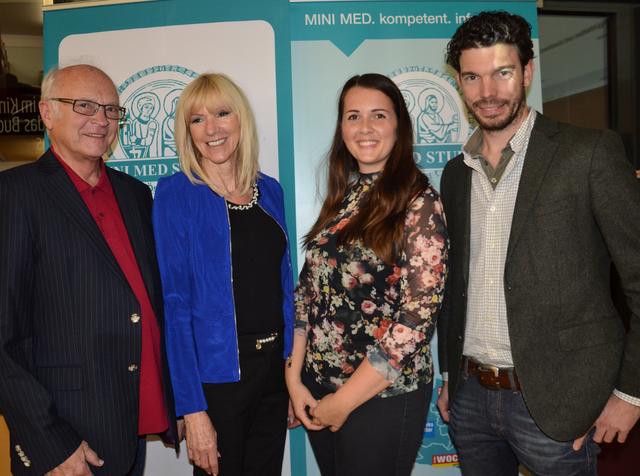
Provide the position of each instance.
(246, 206)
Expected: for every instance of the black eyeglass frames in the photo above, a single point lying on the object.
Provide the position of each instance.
(90, 108)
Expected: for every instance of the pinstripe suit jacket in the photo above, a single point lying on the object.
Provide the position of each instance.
(67, 340)
(577, 210)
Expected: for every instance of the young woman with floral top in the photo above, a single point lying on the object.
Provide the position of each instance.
(370, 290)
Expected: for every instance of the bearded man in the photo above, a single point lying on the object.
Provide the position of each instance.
(538, 365)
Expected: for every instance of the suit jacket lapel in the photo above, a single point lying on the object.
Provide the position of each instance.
(133, 221)
(541, 152)
(464, 206)
(64, 195)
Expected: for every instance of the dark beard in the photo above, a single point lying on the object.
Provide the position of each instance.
(515, 106)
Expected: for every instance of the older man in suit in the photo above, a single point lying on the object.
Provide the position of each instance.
(539, 367)
(82, 367)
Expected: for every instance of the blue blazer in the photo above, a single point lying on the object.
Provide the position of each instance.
(193, 240)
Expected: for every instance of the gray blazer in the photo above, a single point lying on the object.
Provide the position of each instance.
(577, 211)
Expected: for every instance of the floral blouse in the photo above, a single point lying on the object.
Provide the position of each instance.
(352, 305)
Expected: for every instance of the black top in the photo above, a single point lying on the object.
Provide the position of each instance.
(257, 247)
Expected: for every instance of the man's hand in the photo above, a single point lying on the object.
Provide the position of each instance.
(202, 442)
(78, 463)
(443, 401)
(617, 418)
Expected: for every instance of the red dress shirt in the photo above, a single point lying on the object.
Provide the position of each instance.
(102, 204)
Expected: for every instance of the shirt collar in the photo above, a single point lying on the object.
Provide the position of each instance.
(80, 184)
(369, 177)
(518, 141)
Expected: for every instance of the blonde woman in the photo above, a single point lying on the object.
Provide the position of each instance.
(226, 277)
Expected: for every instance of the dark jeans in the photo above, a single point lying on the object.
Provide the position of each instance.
(494, 432)
(380, 437)
(250, 416)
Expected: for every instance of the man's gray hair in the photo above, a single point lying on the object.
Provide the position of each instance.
(48, 83)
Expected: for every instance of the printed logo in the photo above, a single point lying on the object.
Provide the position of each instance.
(440, 123)
(147, 147)
(445, 460)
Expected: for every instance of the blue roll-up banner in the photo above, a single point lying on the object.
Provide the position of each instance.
(291, 58)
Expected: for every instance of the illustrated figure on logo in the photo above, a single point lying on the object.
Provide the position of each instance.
(168, 140)
(432, 128)
(409, 99)
(140, 133)
(151, 96)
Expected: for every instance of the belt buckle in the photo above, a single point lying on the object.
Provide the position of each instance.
(489, 368)
(488, 376)
(266, 340)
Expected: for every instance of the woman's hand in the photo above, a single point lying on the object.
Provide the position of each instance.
(202, 442)
(331, 411)
(292, 420)
(301, 398)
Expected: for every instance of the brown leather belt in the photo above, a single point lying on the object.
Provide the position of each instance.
(490, 376)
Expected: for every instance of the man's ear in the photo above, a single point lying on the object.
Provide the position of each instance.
(527, 73)
(46, 113)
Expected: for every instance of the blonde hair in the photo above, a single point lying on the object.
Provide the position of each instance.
(209, 90)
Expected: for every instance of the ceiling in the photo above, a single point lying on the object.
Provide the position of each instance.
(21, 17)
(563, 41)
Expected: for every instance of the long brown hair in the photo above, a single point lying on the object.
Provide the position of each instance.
(379, 223)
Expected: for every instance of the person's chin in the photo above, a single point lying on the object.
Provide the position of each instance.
(95, 145)
(95, 153)
(494, 122)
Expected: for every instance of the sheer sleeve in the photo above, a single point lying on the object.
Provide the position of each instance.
(303, 298)
(421, 270)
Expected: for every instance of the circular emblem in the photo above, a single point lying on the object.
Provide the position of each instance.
(434, 105)
(150, 96)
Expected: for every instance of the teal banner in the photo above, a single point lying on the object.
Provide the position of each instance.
(291, 58)
(348, 24)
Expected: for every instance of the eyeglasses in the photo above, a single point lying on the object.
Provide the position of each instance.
(90, 108)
